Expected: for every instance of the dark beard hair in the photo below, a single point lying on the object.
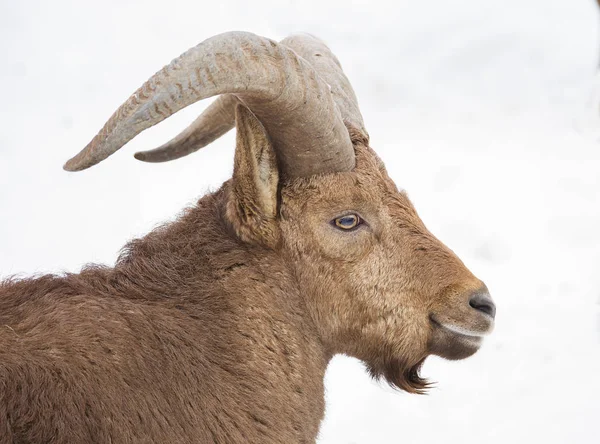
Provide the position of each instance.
(400, 375)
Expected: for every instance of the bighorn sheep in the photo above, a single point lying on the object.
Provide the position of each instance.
(218, 327)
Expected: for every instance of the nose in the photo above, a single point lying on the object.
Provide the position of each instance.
(482, 301)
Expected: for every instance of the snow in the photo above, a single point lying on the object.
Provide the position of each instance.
(487, 112)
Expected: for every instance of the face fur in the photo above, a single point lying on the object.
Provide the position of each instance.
(379, 286)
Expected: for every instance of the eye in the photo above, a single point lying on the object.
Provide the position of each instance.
(348, 222)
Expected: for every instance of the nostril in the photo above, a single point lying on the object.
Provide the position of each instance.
(483, 302)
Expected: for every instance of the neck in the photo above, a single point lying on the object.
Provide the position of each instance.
(267, 349)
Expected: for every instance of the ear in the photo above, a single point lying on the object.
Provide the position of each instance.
(252, 201)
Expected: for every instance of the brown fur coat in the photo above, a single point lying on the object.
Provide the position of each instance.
(169, 346)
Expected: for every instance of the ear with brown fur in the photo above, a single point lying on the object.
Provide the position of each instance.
(252, 201)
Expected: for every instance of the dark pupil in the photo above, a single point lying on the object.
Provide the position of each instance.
(347, 221)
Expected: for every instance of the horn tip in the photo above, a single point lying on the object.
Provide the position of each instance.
(71, 166)
(76, 164)
(149, 156)
(141, 155)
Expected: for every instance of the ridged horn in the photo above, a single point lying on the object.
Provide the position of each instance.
(293, 102)
(327, 65)
(218, 118)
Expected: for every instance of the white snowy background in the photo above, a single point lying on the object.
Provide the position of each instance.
(483, 110)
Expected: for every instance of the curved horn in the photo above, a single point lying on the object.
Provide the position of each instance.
(327, 65)
(215, 121)
(294, 104)
(219, 118)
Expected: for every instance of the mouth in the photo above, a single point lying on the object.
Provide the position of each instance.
(460, 331)
(452, 341)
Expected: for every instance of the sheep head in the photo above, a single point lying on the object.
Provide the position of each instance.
(376, 283)
(381, 287)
